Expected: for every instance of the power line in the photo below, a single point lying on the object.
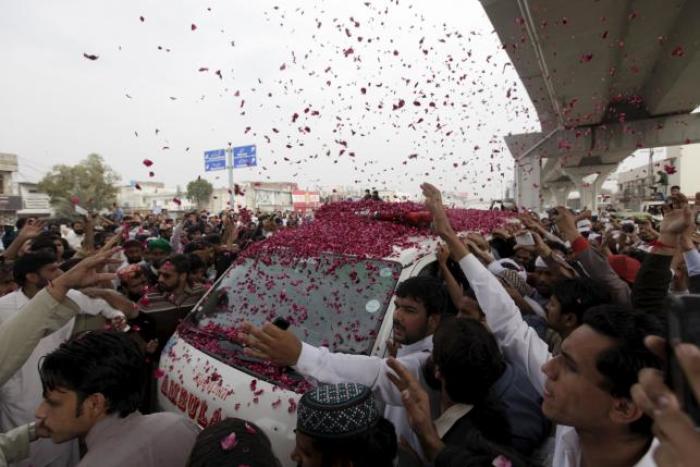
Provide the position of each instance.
(33, 169)
(31, 165)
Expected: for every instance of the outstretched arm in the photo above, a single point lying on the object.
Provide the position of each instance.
(454, 289)
(654, 277)
(519, 342)
(32, 228)
(46, 312)
(283, 348)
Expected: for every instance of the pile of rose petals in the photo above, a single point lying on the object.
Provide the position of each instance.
(369, 229)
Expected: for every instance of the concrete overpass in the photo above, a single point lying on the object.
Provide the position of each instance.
(606, 77)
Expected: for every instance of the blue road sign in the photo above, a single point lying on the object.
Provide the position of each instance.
(245, 156)
(214, 160)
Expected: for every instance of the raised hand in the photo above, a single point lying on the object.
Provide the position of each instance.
(413, 396)
(433, 201)
(271, 343)
(587, 214)
(415, 400)
(32, 228)
(443, 255)
(541, 247)
(679, 440)
(432, 194)
(528, 221)
(478, 240)
(392, 347)
(679, 201)
(677, 221)
(111, 243)
(566, 222)
(85, 273)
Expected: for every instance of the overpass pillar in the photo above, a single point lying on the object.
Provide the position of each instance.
(528, 183)
(589, 190)
(559, 193)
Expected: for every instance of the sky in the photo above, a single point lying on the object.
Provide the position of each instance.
(376, 94)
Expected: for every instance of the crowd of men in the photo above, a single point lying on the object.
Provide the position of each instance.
(544, 342)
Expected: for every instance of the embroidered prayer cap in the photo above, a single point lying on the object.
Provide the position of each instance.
(336, 411)
(514, 279)
(159, 244)
(508, 263)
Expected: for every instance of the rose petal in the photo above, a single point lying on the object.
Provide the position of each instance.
(229, 442)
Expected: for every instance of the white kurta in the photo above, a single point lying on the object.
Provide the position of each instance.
(22, 393)
(523, 347)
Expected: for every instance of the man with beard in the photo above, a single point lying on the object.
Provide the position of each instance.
(134, 287)
(75, 235)
(464, 370)
(165, 229)
(133, 282)
(419, 303)
(172, 297)
(164, 306)
(133, 253)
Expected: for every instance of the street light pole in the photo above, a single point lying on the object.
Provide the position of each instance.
(650, 169)
(229, 167)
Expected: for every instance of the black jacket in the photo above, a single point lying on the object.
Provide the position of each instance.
(652, 283)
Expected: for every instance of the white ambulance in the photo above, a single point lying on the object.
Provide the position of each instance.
(343, 302)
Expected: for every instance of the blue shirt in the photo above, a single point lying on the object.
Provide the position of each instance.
(522, 405)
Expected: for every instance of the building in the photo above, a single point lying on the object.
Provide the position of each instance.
(353, 193)
(19, 198)
(34, 202)
(8, 171)
(306, 201)
(268, 196)
(220, 200)
(263, 196)
(10, 202)
(640, 184)
(151, 197)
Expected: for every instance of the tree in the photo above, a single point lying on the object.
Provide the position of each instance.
(199, 191)
(91, 181)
